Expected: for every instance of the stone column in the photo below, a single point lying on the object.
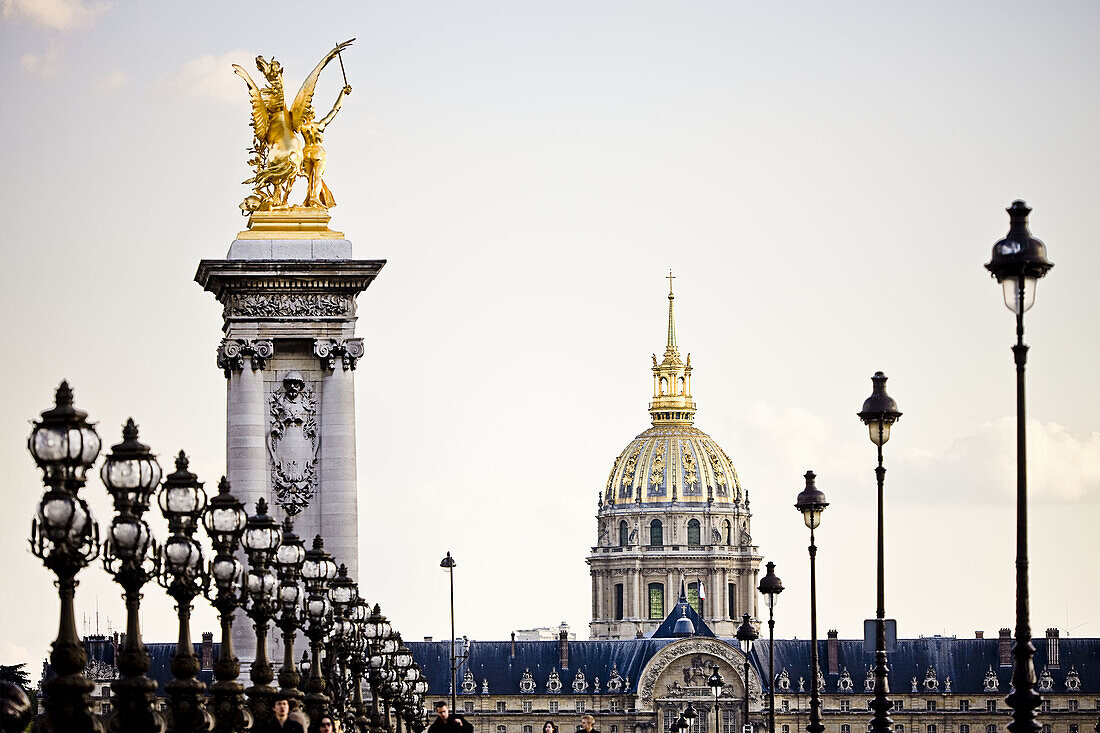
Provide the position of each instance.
(243, 361)
(338, 498)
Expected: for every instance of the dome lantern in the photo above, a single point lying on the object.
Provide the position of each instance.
(672, 403)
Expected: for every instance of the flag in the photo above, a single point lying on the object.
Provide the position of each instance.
(702, 592)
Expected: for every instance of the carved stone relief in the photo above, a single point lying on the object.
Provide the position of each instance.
(293, 443)
(691, 650)
(233, 353)
(288, 305)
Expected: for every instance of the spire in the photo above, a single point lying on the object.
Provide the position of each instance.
(670, 345)
(671, 377)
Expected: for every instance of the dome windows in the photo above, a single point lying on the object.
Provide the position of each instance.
(656, 600)
(624, 534)
(693, 533)
(657, 537)
(728, 532)
(664, 386)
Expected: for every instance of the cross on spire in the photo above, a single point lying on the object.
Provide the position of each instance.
(670, 278)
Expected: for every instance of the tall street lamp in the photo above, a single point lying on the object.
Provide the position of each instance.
(746, 635)
(288, 560)
(318, 570)
(879, 413)
(224, 521)
(182, 502)
(131, 474)
(770, 587)
(690, 715)
(65, 537)
(448, 563)
(715, 682)
(811, 502)
(1018, 261)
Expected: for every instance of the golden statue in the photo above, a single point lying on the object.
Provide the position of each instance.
(278, 155)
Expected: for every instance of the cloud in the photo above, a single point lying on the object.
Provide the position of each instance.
(58, 15)
(209, 76)
(45, 64)
(111, 82)
(774, 443)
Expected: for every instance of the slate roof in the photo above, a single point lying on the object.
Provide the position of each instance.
(160, 656)
(965, 661)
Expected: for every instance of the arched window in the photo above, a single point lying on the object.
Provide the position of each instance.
(693, 533)
(664, 385)
(728, 532)
(624, 534)
(656, 600)
(656, 535)
(680, 385)
(693, 597)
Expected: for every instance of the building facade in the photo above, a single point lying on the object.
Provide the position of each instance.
(672, 511)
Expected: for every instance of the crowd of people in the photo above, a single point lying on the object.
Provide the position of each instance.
(447, 723)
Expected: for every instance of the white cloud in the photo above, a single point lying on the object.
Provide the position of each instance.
(45, 64)
(110, 82)
(58, 15)
(980, 468)
(210, 76)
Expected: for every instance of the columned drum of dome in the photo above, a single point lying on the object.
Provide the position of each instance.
(672, 512)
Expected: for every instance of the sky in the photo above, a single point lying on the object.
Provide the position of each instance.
(826, 182)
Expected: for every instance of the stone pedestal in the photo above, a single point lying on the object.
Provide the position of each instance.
(289, 353)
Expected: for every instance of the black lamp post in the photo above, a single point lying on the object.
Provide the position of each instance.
(879, 413)
(378, 628)
(318, 570)
(715, 682)
(66, 538)
(224, 521)
(770, 587)
(131, 474)
(343, 593)
(448, 563)
(182, 502)
(690, 715)
(402, 663)
(262, 537)
(1018, 261)
(811, 502)
(360, 651)
(288, 560)
(746, 635)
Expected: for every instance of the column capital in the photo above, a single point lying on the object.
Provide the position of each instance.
(232, 354)
(347, 351)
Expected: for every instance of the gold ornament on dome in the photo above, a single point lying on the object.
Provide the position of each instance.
(289, 144)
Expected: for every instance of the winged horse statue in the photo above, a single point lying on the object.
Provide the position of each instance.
(278, 154)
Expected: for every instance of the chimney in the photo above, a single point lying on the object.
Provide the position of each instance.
(563, 648)
(833, 652)
(208, 650)
(427, 638)
(1004, 647)
(979, 634)
(1052, 648)
(513, 645)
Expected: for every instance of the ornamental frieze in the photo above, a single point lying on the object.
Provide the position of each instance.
(287, 305)
(684, 650)
(293, 443)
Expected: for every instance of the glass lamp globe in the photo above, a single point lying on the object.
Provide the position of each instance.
(225, 518)
(131, 473)
(811, 502)
(63, 443)
(262, 535)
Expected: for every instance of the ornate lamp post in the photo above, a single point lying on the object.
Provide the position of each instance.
(131, 474)
(811, 502)
(1018, 261)
(359, 615)
(378, 630)
(770, 587)
(343, 593)
(402, 663)
(66, 538)
(690, 716)
(746, 635)
(715, 682)
(448, 563)
(288, 560)
(879, 413)
(182, 501)
(225, 520)
(318, 570)
(261, 541)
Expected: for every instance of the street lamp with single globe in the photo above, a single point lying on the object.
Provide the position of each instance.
(690, 716)
(770, 587)
(746, 636)
(1018, 262)
(715, 682)
(448, 563)
(878, 414)
(811, 503)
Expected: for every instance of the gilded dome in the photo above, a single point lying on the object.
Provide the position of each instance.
(672, 463)
(673, 460)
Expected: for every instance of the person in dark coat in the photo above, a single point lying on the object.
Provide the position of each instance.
(282, 722)
(447, 723)
(588, 724)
